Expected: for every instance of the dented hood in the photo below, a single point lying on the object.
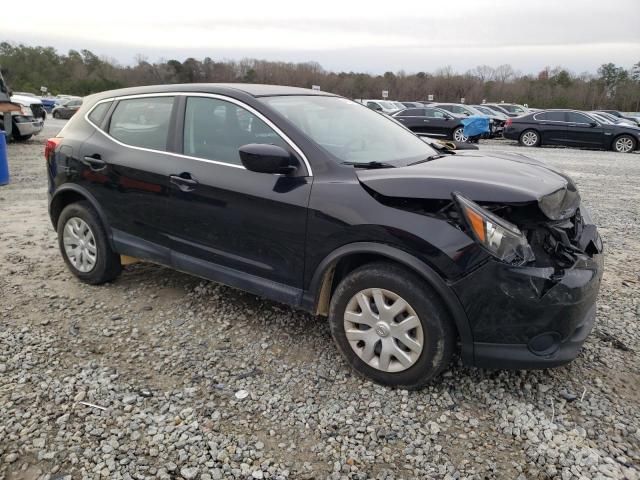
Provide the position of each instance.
(495, 178)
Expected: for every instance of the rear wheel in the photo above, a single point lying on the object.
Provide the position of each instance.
(390, 326)
(530, 138)
(85, 246)
(56, 115)
(624, 144)
(458, 135)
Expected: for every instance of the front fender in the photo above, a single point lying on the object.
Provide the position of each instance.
(311, 296)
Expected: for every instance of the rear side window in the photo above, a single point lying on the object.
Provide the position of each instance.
(215, 130)
(142, 122)
(98, 112)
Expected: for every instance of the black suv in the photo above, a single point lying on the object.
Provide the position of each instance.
(314, 200)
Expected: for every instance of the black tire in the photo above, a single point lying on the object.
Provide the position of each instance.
(56, 115)
(439, 339)
(626, 140)
(107, 265)
(522, 140)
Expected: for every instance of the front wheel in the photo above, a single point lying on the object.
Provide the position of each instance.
(56, 115)
(458, 135)
(85, 246)
(530, 138)
(624, 144)
(390, 326)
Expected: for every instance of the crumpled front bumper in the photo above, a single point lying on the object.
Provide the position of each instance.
(530, 317)
(28, 125)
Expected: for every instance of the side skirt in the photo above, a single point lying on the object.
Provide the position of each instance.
(126, 244)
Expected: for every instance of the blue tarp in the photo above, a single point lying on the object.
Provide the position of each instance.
(475, 125)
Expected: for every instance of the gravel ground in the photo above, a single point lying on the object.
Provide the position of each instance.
(162, 375)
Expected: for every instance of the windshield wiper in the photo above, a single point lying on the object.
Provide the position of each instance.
(428, 159)
(369, 164)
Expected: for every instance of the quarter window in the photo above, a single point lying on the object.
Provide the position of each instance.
(142, 122)
(215, 129)
(98, 112)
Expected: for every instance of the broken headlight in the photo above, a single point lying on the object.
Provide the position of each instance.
(500, 238)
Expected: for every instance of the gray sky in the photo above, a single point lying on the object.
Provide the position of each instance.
(369, 36)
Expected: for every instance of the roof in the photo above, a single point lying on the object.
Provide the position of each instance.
(253, 89)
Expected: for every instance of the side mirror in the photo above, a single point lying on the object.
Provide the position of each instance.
(593, 124)
(264, 158)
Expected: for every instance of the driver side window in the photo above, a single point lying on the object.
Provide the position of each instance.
(215, 129)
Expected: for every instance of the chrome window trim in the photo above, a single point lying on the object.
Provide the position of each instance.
(225, 98)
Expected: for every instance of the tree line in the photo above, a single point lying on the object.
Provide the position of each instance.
(27, 68)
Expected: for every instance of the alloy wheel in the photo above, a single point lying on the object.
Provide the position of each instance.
(458, 135)
(624, 145)
(530, 139)
(383, 330)
(80, 244)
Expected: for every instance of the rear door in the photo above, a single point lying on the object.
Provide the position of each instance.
(125, 165)
(583, 131)
(551, 125)
(227, 222)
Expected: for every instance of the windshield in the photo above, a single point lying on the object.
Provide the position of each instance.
(350, 131)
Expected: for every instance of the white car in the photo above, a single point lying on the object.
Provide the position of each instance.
(384, 106)
(29, 120)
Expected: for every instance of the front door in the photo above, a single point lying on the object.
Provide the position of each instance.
(583, 131)
(228, 222)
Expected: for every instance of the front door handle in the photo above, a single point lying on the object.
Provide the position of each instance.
(94, 162)
(184, 182)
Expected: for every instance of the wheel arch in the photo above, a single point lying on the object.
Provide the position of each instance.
(348, 257)
(72, 193)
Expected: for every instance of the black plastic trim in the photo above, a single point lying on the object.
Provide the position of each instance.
(520, 356)
(127, 244)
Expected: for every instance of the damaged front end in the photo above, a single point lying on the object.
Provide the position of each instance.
(537, 312)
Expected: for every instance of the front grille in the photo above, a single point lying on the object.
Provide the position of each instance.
(37, 110)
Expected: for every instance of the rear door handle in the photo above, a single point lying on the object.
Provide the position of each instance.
(184, 182)
(94, 162)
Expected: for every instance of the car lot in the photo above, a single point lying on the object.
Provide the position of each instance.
(189, 379)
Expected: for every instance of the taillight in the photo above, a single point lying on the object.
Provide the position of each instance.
(508, 122)
(51, 145)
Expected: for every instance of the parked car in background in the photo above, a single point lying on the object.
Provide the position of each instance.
(571, 128)
(322, 204)
(67, 108)
(487, 111)
(412, 104)
(613, 119)
(620, 116)
(433, 121)
(511, 109)
(49, 103)
(496, 122)
(28, 121)
(384, 106)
